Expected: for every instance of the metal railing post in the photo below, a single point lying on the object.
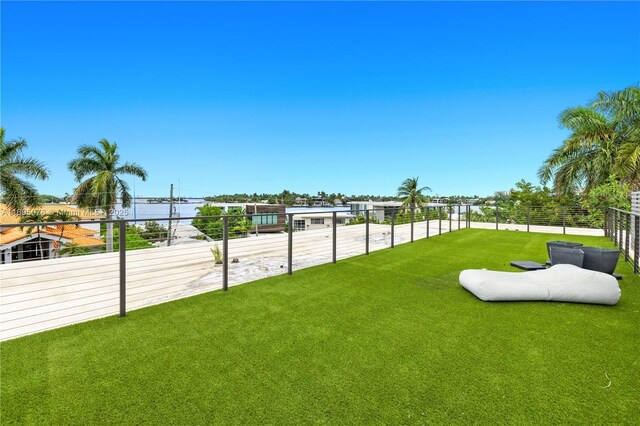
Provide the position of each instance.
(122, 231)
(366, 230)
(450, 224)
(496, 217)
(412, 219)
(620, 229)
(564, 221)
(440, 220)
(605, 223)
(636, 245)
(528, 217)
(393, 220)
(428, 217)
(458, 217)
(626, 239)
(225, 253)
(290, 245)
(335, 237)
(468, 216)
(610, 223)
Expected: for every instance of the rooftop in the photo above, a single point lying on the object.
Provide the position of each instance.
(78, 235)
(386, 338)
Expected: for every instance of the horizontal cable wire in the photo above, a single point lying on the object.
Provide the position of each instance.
(3, 289)
(152, 286)
(182, 291)
(4, 303)
(52, 327)
(175, 296)
(61, 317)
(159, 267)
(112, 295)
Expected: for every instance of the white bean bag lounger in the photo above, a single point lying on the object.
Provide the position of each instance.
(560, 283)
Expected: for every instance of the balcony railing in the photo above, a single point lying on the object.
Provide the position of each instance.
(623, 228)
(64, 284)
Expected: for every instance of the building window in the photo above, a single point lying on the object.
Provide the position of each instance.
(390, 211)
(358, 208)
(264, 219)
(340, 221)
(317, 221)
(298, 225)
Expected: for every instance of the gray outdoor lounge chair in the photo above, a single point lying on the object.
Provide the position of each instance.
(563, 244)
(600, 259)
(563, 255)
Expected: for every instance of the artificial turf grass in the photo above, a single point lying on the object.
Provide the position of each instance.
(386, 338)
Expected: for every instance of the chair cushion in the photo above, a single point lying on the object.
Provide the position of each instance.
(560, 283)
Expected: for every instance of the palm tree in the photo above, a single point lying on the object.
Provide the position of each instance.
(62, 216)
(103, 185)
(625, 106)
(411, 193)
(73, 249)
(586, 158)
(604, 141)
(17, 192)
(34, 216)
(243, 227)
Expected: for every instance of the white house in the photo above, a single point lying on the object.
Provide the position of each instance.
(307, 221)
(381, 210)
(266, 217)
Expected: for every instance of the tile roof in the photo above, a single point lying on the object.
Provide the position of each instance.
(78, 234)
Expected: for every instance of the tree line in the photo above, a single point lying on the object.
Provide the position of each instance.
(595, 167)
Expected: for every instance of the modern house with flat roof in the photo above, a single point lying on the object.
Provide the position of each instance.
(381, 210)
(306, 221)
(265, 217)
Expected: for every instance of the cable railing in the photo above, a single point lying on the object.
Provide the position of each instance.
(548, 219)
(623, 228)
(48, 280)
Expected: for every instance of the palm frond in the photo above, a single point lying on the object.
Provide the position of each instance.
(27, 167)
(132, 169)
(15, 191)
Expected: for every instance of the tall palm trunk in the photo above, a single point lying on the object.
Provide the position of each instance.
(56, 252)
(40, 245)
(109, 236)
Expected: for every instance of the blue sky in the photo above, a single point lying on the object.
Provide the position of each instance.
(340, 97)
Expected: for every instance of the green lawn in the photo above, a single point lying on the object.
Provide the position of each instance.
(386, 338)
